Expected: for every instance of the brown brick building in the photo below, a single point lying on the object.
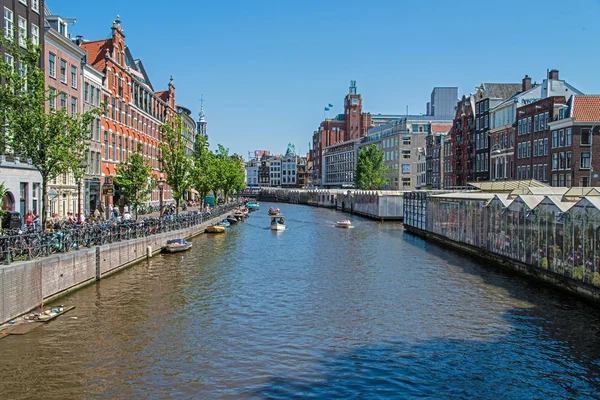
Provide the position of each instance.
(575, 153)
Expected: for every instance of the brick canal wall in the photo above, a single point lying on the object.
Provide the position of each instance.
(24, 285)
(580, 289)
(383, 205)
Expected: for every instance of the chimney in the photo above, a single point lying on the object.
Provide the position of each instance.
(526, 85)
(78, 40)
(553, 75)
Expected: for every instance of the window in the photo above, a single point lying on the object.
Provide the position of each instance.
(35, 34)
(406, 140)
(114, 146)
(554, 161)
(546, 119)
(561, 160)
(22, 32)
(546, 146)
(73, 106)
(487, 121)
(35, 5)
(52, 100)
(63, 100)
(535, 148)
(63, 71)
(106, 145)
(568, 135)
(114, 107)
(585, 160)
(86, 90)
(8, 23)
(529, 125)
(536, 123)
(73, 77)
(561, 138)
(568, 160)
(586, 138)
(8, 59)
(554, 139)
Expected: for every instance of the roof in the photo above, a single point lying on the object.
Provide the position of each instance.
(582, 191)
(586, 108)
(96, 51)
(440, 128)
(501, 90)
(466, 195)
(531, 201)
(540, 191)
(593, 200)
(164, 95)
(557, 202)
(503, 198)
(506, 186)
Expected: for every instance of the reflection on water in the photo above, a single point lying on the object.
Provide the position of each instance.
(315, 311)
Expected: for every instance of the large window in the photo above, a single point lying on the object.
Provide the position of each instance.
(22, 32)
(52, 96)
(73, 106)
(52, 65)
(585, 160)
(586, 138)
(9, 60)
(35, 5)
(63, 100)
(8, 23)
(35, 35)
(63, 71)
(73, 77)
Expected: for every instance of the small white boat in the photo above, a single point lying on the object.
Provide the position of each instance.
(344, 224)
(177, 245)
(277, 223)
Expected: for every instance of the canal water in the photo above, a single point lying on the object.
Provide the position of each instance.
(312, 312)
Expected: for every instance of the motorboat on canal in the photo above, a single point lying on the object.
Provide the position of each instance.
(224, 223)
(273, 211)
(215, 229)
(277, 223)
(177, 245)
(344, 224)
(232, 220)
(253, 206)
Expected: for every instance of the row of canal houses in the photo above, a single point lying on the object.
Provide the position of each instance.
(547, 229)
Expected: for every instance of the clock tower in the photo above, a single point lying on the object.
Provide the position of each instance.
(353, 113)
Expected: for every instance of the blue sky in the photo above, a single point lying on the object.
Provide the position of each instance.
(267, 68)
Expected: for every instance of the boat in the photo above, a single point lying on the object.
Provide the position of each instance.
(239, 215)
(232, 220)
(273, 211)
(253, 206)
(277, 223)
(344, 224)
(215, 229)
(224, 223)
(177, 245)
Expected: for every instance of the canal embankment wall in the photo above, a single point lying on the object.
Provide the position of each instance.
(25, 285)
(383, 205)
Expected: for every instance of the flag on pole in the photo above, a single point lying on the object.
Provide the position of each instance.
(330, 105)
(326, 108)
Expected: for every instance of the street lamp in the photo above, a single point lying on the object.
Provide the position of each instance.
(82, 167)
(161, 187)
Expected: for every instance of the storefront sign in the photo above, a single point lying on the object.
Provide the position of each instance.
(108, 190)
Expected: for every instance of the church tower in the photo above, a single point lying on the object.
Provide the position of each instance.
(353, 112)
(201, 125)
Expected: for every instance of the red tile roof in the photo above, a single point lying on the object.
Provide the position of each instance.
(164, 95)
(96, 52)
(586, 108)
(440, 128)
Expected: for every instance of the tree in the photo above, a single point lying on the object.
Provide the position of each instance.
(3, 193)
(371, 173)
(175, 162)
(134, 180)
(203, 175)
(54, 142)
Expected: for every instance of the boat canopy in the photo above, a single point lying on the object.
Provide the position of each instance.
(176, 241)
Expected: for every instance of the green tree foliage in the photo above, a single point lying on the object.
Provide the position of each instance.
(175, 162)
(3, 193)
(230, 172)
(204, 170)
(134, 180)
(371, 173)
(55, 142)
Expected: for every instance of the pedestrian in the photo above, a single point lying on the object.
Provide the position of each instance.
(29, 217)
(96, 214)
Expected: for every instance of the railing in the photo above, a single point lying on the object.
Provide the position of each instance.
(18, 245)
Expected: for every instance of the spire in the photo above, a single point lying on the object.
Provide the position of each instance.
(117, 24)
(201, 114)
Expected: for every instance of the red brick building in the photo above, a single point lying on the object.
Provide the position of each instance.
(461, 137)
(352, 124)
(134, 110)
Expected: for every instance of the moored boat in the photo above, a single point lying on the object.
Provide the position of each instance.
(344, 224)
(277, 223)
(253, 206)
(224, 223)
(232, 220)
(177, 245)
(215, 229)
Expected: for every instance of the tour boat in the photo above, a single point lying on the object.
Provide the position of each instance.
(177, 245)
(215, 229)
(273, 211)
(344, 224)
(239, 215)
(277, 223)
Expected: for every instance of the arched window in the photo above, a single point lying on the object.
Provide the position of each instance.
(8, 202)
